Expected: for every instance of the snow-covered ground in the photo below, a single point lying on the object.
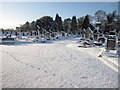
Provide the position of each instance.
(110, 58)
(57, 64)
(0, 67)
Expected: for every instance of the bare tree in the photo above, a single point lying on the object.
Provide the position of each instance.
(100, 15)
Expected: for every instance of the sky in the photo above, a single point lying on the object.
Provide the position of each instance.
(12, 14)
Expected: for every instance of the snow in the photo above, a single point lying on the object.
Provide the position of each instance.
(0, 68)
(109, 58)
(56, 64)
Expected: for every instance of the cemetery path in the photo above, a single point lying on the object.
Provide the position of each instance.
(54, 65)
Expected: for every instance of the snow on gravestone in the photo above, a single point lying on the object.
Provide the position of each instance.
(101, 38)
(88, 33)
(111, 41)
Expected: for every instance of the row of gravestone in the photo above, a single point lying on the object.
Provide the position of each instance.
(113, 38)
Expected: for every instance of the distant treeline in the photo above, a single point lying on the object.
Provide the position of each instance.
(107, 22)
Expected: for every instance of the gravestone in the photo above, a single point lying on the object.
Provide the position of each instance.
(96, 35)
(111, 41)
(119, 38)
(101, 39)
(83, 33)
(88, 33)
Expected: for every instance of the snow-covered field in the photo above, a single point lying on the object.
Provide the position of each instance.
(58, 64)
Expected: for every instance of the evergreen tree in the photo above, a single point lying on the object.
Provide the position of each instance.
(67, 25)
(111, 16)
(58, 21)
(86, 22)
(38, 22)
(80, 21)
(33, 25)
(26, 26)
(45, 23)
(73, 25)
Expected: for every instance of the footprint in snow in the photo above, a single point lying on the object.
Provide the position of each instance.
(21, 62)
(18, 60)
(26, 64)
(32, 66)
(84, 77)
(38, 68)
(45, 71)
(53, 74)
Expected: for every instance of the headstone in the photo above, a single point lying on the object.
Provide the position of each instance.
(111, 41)
(119, 38)
(118, 52)
(88, 33)
(101, 39)
(96, 35)
(83, 33)
(119, 35)
(91, 37)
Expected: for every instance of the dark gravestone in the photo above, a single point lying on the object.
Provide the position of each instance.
(83, 33)
(101, 39)
(111, 43)
(97, 43)
(95, 37)
(63, 34)
(119, 38)
(7, 40)
(118, 42)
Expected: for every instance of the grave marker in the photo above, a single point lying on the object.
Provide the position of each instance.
(111, 41)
